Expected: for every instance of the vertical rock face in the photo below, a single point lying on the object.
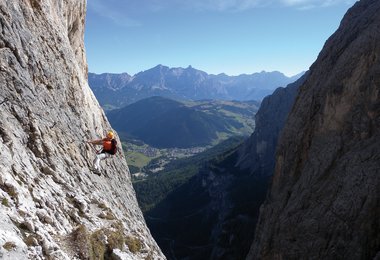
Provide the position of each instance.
(257, 154)
(324, 201)
(52, 207)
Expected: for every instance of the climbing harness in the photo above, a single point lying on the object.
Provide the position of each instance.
(94, 149)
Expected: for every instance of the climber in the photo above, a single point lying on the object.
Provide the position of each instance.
(109, 148)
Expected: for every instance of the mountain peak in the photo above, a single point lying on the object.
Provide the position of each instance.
(160, 67)
(188, 83)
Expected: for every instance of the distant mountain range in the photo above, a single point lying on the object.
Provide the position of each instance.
(165, 123)
(118, 90)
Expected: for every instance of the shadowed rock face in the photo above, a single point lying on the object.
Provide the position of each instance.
(324, 202)
(257, 154)
(51, 204)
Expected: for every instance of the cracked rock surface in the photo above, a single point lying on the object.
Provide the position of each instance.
(324, 202)
(50, 201)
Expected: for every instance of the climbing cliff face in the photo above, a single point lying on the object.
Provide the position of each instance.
(324, 202)
(52, 206)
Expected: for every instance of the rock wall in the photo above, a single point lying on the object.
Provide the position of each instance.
(257, 154)
(52, 206)
(324, 202)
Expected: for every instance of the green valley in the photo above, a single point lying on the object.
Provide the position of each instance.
(154, 185)
(164, 123)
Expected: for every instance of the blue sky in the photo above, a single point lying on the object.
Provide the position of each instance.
(216, 36)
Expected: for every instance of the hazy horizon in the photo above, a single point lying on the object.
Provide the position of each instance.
(216, 36)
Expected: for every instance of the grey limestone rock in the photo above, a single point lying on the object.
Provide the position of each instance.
(47, 111)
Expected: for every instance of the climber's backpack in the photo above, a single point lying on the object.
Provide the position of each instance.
(110, 146)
